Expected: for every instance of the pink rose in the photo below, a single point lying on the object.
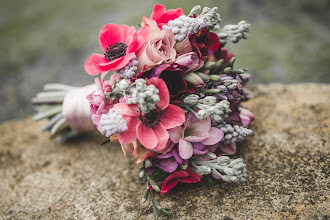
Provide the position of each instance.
(190, 60)
(159, 49)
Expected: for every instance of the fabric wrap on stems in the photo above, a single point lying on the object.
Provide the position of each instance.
(76, 109)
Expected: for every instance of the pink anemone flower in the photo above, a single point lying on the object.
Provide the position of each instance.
(151, 129)
(120, 44)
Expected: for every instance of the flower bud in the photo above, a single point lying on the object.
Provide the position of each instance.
(194, 79)
(223, 160)
(205, 170)
(191, 99)
(209, 100)
(201, 115)
(215, 77)
(204, 76)
(123, 84)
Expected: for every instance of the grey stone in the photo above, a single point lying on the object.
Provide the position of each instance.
(287, 161)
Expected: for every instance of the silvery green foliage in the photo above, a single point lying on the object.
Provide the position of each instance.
(146, 96)
(210, 108)
(191, 99)
(234, 33)
(129, 70)
(222, 168)
(184, 25)
(234, 133)
(211, 17)
(123, 85)
(221, 111)
(204, 170)
(112, 123)
(234, 169)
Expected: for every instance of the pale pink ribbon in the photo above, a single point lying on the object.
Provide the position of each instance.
(76, 109)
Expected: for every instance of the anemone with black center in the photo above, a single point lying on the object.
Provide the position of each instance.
(152, 118)
(115, 51)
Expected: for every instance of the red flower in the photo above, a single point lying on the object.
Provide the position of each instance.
(120, 43)
(183, 176)
(204, 42)
(172, 74)
(221, 53)
(161, 16)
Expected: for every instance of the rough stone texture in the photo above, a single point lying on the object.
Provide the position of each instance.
(287, 159)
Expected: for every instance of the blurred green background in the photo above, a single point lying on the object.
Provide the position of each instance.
(45, 41)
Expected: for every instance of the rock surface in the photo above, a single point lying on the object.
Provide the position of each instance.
(287, 159)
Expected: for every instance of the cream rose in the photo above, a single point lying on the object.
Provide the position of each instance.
(159, 49)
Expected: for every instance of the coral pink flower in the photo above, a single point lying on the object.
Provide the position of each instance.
(183, 176)
(151, 129)
(120, 43)
(161, 16)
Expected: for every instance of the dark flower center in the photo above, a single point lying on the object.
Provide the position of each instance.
(152, 118)
(115, 51)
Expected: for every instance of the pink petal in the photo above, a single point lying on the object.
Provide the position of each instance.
(196, 139)
(228, 148)
(216, 135)
(244, 111)
(164, 94)
(196, 127)
(185, 149)
(175, 134)
(124, 61)
(130, 135)
(165, 156)
(143, 35)
(168, 165)
(162, 137)
(129, 31)
(126, 109)
(133, 45)
(245, 120)
(172, 116)
(212, 148)
(110, 34)
(146, 136)
(117, 63)
(103, 65)
(158, 11)
(198, 146)
(177, 156)
(89, 66)
(171, 15)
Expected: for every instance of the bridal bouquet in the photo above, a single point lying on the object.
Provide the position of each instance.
(168, 92)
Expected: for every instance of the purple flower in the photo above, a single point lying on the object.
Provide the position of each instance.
(168, 162)
(190, 60)
(194, 136)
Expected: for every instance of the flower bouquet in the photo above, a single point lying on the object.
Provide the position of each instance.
(169, 93)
